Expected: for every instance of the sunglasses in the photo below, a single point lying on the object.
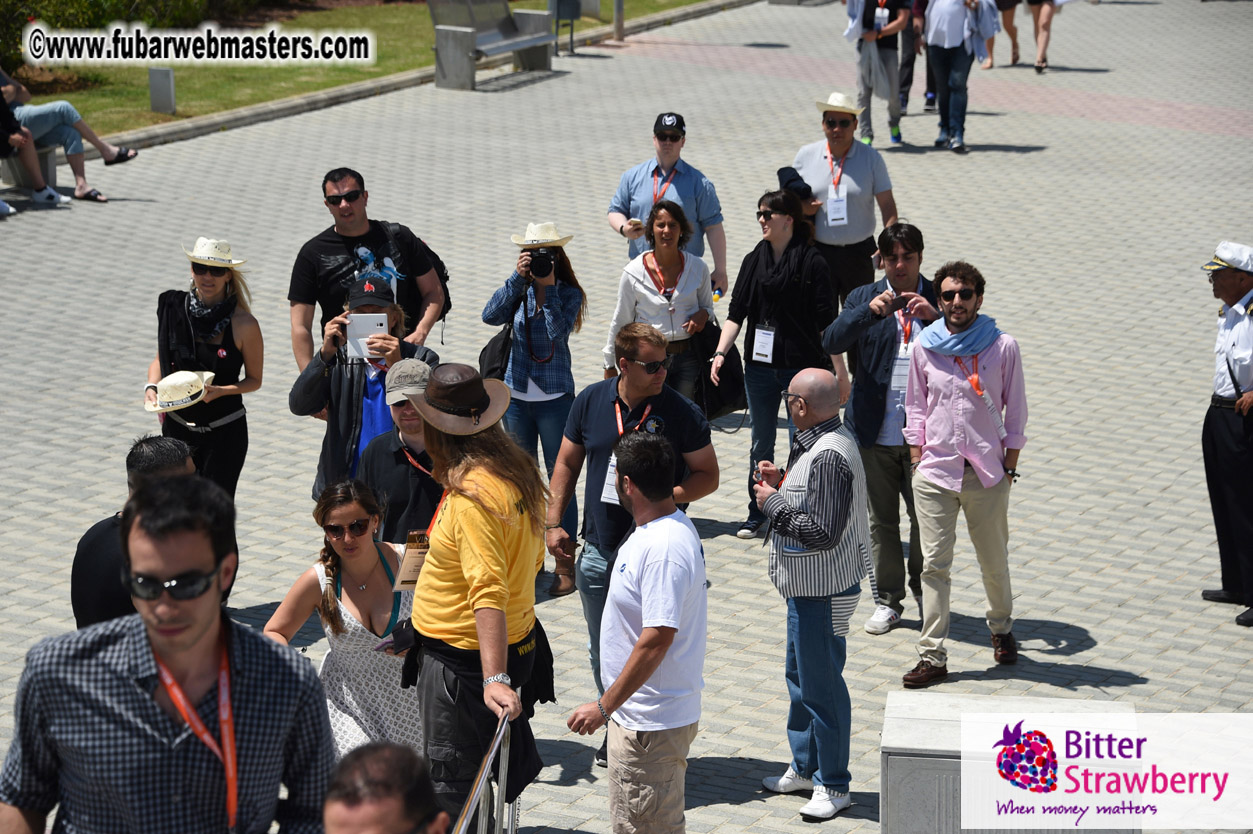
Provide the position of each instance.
(668, 137)
(357, 528)
(215, 271)
(966, 294)
(834, 123)
(651, 368)
(766, 214)
(183, 587)
(351, 196)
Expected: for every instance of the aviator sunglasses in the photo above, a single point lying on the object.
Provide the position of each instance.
(215, 271)
(966, 294)
(651, 368)
(834, 123)
(357, 528)
(183, 587)
(351, 196)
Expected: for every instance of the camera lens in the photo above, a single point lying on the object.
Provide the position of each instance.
(541, 263)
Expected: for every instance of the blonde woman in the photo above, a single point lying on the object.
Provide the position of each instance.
(210, 327)
(350, 587)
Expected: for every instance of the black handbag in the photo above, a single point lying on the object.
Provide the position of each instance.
(728, 395)
(494, 357)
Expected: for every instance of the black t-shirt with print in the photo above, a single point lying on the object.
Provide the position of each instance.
(867, 18)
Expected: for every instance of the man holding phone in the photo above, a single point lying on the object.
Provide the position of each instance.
(353, 391)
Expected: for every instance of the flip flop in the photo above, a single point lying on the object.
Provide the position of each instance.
(123, 155)
(93, 196)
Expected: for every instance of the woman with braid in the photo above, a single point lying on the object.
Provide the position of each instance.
(351, 589)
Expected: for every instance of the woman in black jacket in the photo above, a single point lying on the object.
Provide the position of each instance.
(783, 298)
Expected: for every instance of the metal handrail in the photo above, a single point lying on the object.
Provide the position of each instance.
(478, 790)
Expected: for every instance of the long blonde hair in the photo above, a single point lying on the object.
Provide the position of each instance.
(332, 498)
(456, 456)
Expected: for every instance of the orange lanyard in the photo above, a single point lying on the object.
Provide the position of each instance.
(414, 460)
(907, 325)
(618, 411)
(654, 272)
(973, 379)
(666, 185)
(226, 723)
(835, 178)
(435, 517)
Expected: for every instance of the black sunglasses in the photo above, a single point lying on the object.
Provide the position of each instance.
(668, 137)
(183, 587)
(653, 367)
(215, 271)
(351, 196)
(834, 123)
(966, 293)
(766, 214)
(357, 528)
(788, 396)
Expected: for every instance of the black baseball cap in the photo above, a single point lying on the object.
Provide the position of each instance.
(669, 121)
(371, 289)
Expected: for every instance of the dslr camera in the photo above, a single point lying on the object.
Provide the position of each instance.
(541, 263)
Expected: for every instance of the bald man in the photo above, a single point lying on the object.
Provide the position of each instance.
(819, 554)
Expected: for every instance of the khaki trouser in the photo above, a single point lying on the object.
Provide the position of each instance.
(647, 769)
(987, 518)
(887, 481)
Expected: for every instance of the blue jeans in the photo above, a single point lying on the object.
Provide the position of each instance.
(51, 124)
(685, 370)
(544, 422)
(591, 577)
(819, 718)
(764, 386)
(952, 68)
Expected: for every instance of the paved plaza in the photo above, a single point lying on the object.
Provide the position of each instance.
(1089, 199)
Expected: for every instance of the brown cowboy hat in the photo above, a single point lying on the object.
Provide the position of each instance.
(459, 401)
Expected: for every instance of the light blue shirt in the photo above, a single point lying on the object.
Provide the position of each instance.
(690, 189)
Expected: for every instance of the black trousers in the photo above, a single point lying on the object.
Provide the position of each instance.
(219, 454)
(907, 64)
(850, 266)
(1227, 446)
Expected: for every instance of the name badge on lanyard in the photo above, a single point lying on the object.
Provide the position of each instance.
(881, 15)
(900, 366)
(993, 411)
(763, 344)
(837, 205)
(609, 491)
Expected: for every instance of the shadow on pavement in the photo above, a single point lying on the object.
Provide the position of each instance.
(517, 80)
(257, 616)
(574, 758)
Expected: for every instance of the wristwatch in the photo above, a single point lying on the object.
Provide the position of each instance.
(501, 678)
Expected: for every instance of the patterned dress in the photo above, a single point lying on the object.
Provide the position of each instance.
(363, 694)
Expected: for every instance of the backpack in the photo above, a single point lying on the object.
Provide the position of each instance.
(442, 271)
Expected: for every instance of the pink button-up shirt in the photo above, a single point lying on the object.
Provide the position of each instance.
(945, 416)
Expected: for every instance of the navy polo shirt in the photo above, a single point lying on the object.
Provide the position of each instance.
(593, 424)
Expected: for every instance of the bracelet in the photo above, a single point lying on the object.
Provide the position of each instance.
(552, 526)
(620, 228)
(721, 353)
(1012, 474)
(603, 714)
(151, 386)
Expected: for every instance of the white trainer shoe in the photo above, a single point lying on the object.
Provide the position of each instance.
(789, 782)
(824, 804)
(48, 197)
(6, 209)
(883, 620)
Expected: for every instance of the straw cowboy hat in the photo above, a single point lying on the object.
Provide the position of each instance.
(212, 253)
(179, 390)
(459, 401)
(839, 103)
(539, 235)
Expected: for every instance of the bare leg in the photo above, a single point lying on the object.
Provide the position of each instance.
(29, 157)
(987, 64)
(80, 175)
(1044, 25)
(1007, 23)
(106, 150)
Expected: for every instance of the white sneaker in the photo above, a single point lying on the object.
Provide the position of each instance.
(789, 782)
(824, 804)
(6, 209)
(883, 620)
(48, 197)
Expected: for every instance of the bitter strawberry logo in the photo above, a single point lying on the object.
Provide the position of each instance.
(1027, 760)
(368, 287)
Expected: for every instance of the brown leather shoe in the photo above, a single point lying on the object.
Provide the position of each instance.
(924, 674)
(1005, 648)
(563, 577)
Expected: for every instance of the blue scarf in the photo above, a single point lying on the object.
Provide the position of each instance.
(974, 339)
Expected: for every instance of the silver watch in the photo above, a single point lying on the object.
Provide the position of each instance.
(501, 678)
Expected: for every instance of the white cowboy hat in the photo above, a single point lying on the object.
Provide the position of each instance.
(839, 103)
(539, 235)
(179, 390)
(212, 253)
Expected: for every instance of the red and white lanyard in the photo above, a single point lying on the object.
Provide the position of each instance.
(226, 724)
(654, 272)
(414, 460)
(657, 196)
(618, 412)
(972, 378)
(907, 326)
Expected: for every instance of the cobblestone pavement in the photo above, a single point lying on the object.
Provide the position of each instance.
(1089, 199)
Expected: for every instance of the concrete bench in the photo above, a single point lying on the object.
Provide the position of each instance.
(920, 754)
(14, 172)
(466, 30)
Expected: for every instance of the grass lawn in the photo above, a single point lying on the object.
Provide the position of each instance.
(404, 37)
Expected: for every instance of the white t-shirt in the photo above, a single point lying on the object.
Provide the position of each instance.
(659, 581)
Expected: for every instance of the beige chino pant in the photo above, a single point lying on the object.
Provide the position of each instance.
(647, 769)
(987, 518)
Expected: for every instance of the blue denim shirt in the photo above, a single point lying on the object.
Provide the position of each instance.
(690, 189)
(537, 335)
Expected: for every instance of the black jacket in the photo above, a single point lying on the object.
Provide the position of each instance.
(875, 341)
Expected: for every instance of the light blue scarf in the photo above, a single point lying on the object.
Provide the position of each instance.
(974, 339)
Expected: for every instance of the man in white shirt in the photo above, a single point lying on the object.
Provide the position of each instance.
(652, 646)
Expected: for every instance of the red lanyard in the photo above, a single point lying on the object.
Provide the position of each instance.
(378, 366)
(414, 460)
(657, 196)
(618, 411)
(654, 272)
(973, 379)
(907, 325)
(226, 723)
(435, 517)
(835, 178)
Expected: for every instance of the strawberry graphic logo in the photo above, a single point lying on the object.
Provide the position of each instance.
(368, 287)
(1027, 760)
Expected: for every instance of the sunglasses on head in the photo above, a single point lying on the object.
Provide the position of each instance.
(653, 367)
(966, 294)
(336, 531)
(834, 123)
(668, 137)
(351, 196)
(215, 271)
(183, 587)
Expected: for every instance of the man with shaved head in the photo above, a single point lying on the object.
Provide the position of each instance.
(819, 554)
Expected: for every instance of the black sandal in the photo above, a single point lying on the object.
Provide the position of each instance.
(123, 155)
